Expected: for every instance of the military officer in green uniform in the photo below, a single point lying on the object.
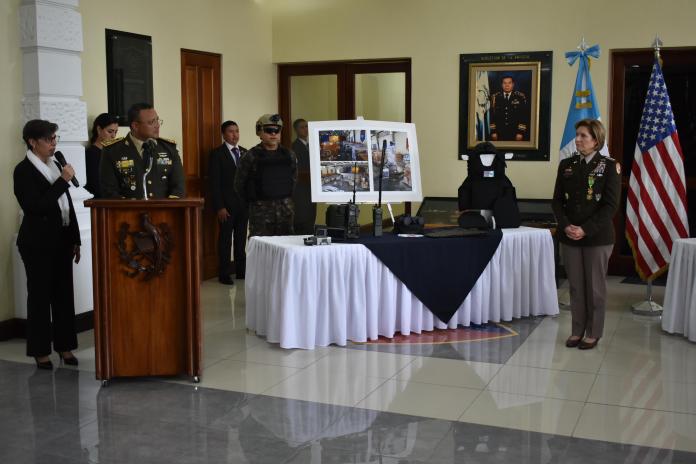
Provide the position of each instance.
(266, 178)
(585, 199)
(509, 113)
(141, 164)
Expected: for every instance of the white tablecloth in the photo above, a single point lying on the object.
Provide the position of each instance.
(679, 310)
(302, 297)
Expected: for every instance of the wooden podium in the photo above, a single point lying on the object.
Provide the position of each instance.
(146, 280)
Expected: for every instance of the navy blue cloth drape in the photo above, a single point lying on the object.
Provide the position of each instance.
(440, 272)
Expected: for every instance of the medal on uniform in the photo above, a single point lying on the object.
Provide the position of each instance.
(590, 183)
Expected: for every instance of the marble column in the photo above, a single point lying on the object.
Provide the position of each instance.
(51, 42)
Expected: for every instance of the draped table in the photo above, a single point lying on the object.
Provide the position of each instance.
(301, 296)
(679, 310)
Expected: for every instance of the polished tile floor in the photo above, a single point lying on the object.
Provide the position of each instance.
(523, 398)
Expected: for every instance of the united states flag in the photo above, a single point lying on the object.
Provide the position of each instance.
(656, 209)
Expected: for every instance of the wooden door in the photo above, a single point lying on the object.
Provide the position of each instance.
(344, 103)
(201, 98)
(630, 73)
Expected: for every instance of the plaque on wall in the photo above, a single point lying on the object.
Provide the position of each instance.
(128, 71)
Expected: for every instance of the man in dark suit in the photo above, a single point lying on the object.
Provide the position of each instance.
(305, 210)
(232, 211)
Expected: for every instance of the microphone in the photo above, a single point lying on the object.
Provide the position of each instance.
(61, 160)
(148, 149)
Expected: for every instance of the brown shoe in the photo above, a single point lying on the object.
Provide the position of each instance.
(573, 341)
(585, 345)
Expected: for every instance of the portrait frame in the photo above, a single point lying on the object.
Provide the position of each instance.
(525, 122)
(337, 148)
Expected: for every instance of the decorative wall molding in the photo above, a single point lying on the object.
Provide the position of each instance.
(69, 114)
(51, 42)
(52, 72)
(50, 25)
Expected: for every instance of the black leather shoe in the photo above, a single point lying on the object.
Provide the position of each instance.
(572, 343)
(226, 280)
(70, 361)
(48, 365)
(588, 345)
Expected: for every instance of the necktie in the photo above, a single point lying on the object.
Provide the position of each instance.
(148, 151)
(235, 154)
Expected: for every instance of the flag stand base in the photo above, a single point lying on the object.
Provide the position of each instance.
(647, 307)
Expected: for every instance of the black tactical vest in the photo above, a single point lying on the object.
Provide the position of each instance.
(273, 174)
(487, 187)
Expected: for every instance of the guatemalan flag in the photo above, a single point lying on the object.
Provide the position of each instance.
(656, 206)
(483, 106)
(583, 103)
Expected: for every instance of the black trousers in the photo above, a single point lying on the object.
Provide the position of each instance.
(233, 230)
(50, 298)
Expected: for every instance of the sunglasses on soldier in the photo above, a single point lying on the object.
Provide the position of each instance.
(271, 129)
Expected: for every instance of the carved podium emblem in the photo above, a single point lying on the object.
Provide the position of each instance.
(150, 248)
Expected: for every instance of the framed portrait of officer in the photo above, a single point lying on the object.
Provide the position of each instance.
(505, 99)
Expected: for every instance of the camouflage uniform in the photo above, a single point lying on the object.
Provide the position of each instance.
(271, 212)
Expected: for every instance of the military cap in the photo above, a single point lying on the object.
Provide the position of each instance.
(269, 120)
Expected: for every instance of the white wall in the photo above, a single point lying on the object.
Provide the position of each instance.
(434, 33)
(240, 30)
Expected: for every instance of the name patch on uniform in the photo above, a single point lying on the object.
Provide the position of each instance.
(488, 173)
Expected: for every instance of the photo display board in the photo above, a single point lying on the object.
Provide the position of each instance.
(344, 154)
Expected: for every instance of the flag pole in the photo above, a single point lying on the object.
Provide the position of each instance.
(563, 293)
(649, 307)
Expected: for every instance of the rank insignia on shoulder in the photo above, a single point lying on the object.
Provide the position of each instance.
(106, 143)
(172, 141)
(618, 168)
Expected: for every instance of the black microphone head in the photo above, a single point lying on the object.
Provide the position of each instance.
(60, 158)
(384, 145)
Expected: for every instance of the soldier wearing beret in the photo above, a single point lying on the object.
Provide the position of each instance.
(141, 164)
(266, 179)
(585, 199)
(509, 113)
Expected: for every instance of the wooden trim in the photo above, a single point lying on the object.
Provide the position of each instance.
(160, 203)
(199, 52)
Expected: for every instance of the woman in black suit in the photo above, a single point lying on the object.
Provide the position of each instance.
(104, 129)
(48, 241)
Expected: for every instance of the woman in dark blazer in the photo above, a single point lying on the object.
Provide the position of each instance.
(48, 241)
(104, 129)
(585, 199)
